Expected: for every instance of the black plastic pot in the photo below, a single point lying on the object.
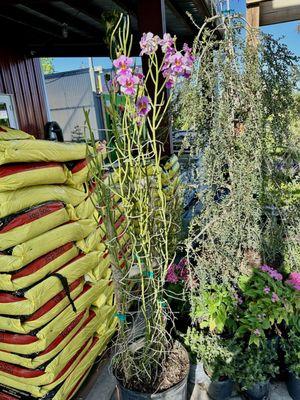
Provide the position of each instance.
(178, 392)
(259, 391)
(293, 386)
(220, 390)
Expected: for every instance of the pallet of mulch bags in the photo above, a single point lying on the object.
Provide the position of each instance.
(56, 296)
(68, 380)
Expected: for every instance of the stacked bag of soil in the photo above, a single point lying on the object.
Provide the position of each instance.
(56, 296)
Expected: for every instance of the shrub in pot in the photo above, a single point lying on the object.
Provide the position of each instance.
(268, 305)
(291, 346)
(147, 363)
(254, 366)
(217, 355)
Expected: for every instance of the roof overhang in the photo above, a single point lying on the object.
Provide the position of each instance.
(70, 28)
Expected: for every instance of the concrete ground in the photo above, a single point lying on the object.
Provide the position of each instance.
(104, 388)
(278, 392)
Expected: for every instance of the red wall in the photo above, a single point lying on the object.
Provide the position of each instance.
(22, 77)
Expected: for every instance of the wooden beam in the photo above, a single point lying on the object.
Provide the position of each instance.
(273, 11)
(253, 15)
(251, 2)
(202, 7)
(278, 11)
(127, 6)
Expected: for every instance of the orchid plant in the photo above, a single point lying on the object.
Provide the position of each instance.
(134, 187)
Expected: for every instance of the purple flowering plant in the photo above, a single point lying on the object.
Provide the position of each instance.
(268, 301)
(128, 80)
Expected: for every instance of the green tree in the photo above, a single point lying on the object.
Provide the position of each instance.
(47, 65)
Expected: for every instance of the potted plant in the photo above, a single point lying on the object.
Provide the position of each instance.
(217, 355)
(253, 367)
(147, 363)
(267, 307)
(213, 310)
(291, 347)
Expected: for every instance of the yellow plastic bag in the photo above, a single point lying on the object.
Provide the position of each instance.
(26, 324)
(80, 362)
(87, 208)
(104, 296)
(38, 269)
(40, 150)
(52, 308)
(65, 326)
(81, 170)
(7, 133)
(25, 253)
(44, 291)
(94, 241)
(76, 378)
(18, 200)
(33, 222)
(89, 321)
(16, 176)
(100, 270)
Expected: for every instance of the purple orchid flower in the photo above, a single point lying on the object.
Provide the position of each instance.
(149, 43)
(128, 84)
(123, 65)
(143, 106)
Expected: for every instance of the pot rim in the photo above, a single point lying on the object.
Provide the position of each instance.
(154, 393)
(166, 390)
(292, 373)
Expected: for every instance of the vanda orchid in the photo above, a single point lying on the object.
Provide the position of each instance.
(142, 251)
(128, 79)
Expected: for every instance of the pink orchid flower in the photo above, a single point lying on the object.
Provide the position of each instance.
(143, 106)
(123, 65)
(128, 84)
(167, 43)
(149, 43)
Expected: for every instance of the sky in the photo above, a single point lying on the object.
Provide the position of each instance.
(288, 30)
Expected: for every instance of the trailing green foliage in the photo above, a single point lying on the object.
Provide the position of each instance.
(226, 235)
(240, 106)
